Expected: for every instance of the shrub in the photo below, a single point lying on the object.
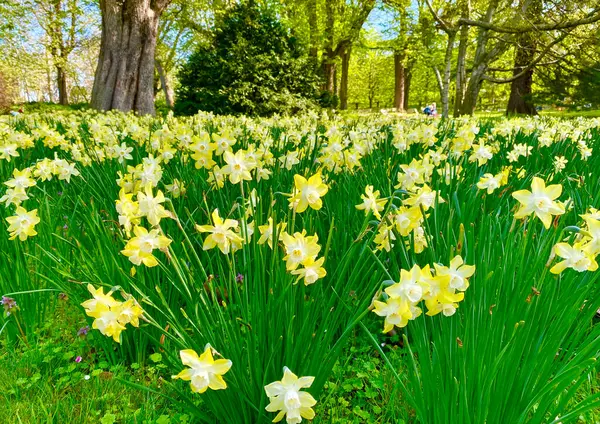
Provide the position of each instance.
(252, 66)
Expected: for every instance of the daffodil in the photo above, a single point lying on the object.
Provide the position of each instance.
(312, 271)
(397, 312)
(99, 301)
(238, 166)
(221, 233)
(458, 272)
(592, 242)
(139, 248)
(439, 296)
(22, 224)
(266, 232)
(372, 202)
(203, 371)
(424, 197)
(14, 196)
(308, 192)
(540, 201)
(575, 257)
(385, 237)
(299, 248)
(489, 183)
(150, 205)
(110, 315)
(407, 219)
(410, 287)
(21, 179)
(8, 150)
(287, 397)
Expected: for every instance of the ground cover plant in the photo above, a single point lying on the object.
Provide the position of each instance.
(258, 261)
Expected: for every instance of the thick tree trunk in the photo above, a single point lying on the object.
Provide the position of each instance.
(344, 80)
(520, 100)
(399, 81)
(125, 72)
(471, 94)
(61, 82)
(164, 83)
(329, 73)
(328, 64)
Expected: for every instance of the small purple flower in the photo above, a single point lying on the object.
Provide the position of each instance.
(9, 304)
(63, 296)
(239, 278)
(65, 227)
(78, 359)
(60, 193)
(83, 331)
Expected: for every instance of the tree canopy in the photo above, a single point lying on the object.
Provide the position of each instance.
(467, 55)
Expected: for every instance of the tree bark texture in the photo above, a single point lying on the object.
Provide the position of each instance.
(313, 26)
(125, 73)
(61, 82)
(520, 100)
(484, 55)
(164, 83)
(444, 82)
(399, 81)
(344, 79)
(407, 81)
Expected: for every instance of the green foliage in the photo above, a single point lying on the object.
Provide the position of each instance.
(61, 377)
(252, 66)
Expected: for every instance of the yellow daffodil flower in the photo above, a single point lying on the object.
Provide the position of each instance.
(540, 201)
(204, 371)
(287, 397)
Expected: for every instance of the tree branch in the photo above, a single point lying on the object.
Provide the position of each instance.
(443, 25)
(590, 18)
(528, 67)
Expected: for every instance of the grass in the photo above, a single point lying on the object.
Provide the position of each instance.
(43, 383)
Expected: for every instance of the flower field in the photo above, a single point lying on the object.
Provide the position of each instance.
(251, 253)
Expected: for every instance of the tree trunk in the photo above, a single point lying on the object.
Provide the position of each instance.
(465, 105)
(49, 82)
(313, 27)
(399, 81)
(61, 82)
(471, 94)
(461, 60)
(125, 73)
(328, 64)
(344, 80)
(164, 83)
(444, 81)
(520, 100)
(407, 81)
(461, 68)
(336, 88)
